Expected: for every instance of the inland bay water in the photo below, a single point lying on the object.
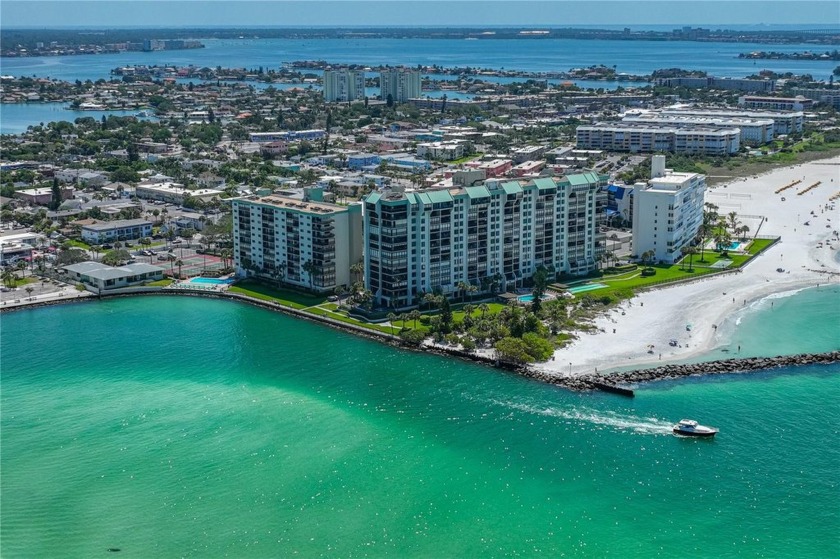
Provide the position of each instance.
(184, 427)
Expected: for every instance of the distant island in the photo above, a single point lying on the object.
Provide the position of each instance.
(806, 55)
(40, 42)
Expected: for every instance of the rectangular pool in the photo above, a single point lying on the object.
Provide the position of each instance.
(212, 281)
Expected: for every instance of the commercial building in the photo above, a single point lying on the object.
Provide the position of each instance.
(446, 151)
(119, 230)
(103, 278)
(645, 138)
(775, 103)
(829, 96)
(306, 244)
(711, 82)
(343, 85)
(492, 236)
(174, 193)
(754, 131)
(42, 196)
(401, 84)
(783, 122)
(667, 212)
(287, 136)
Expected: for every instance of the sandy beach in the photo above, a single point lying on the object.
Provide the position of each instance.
(657, 316)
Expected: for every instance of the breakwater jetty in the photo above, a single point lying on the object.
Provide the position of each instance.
(618, 382)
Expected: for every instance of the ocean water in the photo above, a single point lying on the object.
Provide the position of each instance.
(200, 428)
(634, 57)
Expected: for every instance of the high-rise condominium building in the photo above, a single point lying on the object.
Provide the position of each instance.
(343, 85)
(308, 244)
(667, 211)
(493, 236)
(401, 84)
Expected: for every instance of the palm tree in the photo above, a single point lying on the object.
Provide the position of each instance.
(468, 310)
(358, 269)
(744, 229)
(462, 288)
(179, 263)
(414, 315)
(391, 319)
(733, 221)
(310, 268)
(403, 319)
(29, 290)
(690, 251)
(9, 278)
(483, 307)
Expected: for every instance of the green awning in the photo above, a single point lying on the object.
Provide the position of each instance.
(477, 192)
(511, 187)
(545, 183)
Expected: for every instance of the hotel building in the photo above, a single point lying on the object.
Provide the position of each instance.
(645, 138)
(401, 84)
(498, 233)
(667, 211)
(343, 85)
(306, 244)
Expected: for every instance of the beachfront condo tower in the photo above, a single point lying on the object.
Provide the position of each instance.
(343, 85)
(401, 84)
(305, 244)
(493, 236)
(667, 211)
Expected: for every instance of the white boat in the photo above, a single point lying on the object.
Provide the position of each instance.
(691, 428)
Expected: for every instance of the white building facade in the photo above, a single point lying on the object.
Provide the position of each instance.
(667, 212)
(343, 85)
(306, 244)
(401, 84)
(645, 138)
(493, 236)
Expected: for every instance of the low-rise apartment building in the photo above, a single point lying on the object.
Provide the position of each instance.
(103, 278)
(492, 236)
(783, 122)
(775, 103)
(645, 138)
(174, 193)
(118, 230)
(667, 212)
(306, 244)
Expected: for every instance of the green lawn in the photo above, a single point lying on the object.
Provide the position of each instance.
(160, 283)
(283, 296)
(77, 244)
(667, 273)
(342, 317)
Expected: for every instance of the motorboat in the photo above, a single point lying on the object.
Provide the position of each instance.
(690, 428)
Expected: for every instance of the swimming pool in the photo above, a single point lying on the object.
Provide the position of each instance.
(734, 245)
(212, 281)
(530, 298)
(586, 287)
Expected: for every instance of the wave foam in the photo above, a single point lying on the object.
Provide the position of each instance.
(643, 425)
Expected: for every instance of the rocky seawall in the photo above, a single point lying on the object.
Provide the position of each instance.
(618, 382)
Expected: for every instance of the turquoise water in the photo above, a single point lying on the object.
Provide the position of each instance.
(212, 281)
(201, 428)
(586, 287)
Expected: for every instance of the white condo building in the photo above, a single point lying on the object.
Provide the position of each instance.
(401, 84)
(307, 244)
(667, 211)
(490, 236)
(640, 137)
(343, 85)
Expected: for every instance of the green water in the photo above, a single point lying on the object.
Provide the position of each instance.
(171, 427)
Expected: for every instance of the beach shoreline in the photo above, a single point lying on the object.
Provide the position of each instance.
(698, 314)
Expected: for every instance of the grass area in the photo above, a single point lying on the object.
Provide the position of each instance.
(465, 159)
(285, 297)
(160, 283)
(669, 273)
(342, 317)
(21, 282)
(77, 244)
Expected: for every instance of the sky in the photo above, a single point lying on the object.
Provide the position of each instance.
(337, 13)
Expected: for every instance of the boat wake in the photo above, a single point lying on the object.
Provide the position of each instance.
(622, 422)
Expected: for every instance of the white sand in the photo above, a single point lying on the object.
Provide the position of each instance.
(656, 316)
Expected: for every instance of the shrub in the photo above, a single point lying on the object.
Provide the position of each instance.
(412, 337)
(647, 272)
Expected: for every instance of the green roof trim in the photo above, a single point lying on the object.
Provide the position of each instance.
(545, 183)
(477, 191)
(583, 179)
(373, 198)
(439, 196)
(511, 187)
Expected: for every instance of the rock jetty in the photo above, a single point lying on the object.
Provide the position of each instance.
(670, 372)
